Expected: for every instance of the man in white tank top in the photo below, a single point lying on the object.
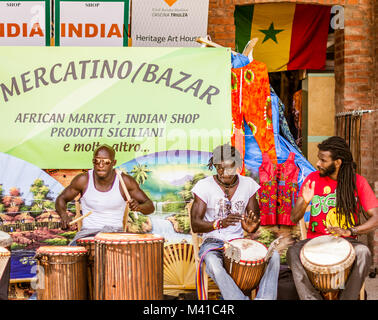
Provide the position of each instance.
(224, 205)
(102, 194)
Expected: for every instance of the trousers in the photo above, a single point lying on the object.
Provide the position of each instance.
(227, 286)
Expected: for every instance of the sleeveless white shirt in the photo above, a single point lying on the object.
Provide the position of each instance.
(107, 207)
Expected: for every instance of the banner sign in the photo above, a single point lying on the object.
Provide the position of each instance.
(168, 23)
(58, 104)
(91, 23)
(23, 264)
(25, 23)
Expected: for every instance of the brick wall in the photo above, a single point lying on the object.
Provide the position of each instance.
(375, 132)
(356, 66)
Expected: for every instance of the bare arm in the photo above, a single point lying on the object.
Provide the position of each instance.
(139, 200)
(297, 213)
(369, 225)
(76, 187)
(197, 213)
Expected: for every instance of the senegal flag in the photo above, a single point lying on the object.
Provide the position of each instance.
(291, 36)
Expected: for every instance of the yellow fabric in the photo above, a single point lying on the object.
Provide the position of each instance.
(275, 55)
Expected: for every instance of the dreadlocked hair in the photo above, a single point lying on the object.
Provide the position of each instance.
(225, 152)
(346, 203)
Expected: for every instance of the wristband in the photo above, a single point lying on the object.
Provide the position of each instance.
(217, 224)
(353, 231)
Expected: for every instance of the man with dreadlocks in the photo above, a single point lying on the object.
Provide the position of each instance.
(338, 195)
(225, 204)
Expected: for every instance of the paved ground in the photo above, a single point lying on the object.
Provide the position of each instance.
(371, 285)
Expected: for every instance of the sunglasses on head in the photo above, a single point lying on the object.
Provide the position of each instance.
(98, 161)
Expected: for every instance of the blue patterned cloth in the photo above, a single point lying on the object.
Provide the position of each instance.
(284, 127)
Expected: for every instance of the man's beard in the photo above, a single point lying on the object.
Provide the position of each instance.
(328, 171)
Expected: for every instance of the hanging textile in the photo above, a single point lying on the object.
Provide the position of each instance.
(253, 156)
(283, 125)
(297, 113)
(287, 176)
(251, 102)
(268, 191)
(278, 190)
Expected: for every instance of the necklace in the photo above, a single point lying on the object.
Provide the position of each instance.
(227, 186)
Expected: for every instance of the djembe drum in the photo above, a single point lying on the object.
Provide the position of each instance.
(328, 261)
(61, 273)
(244, 259)
(4, 258)
(89, 244)
(128, 266)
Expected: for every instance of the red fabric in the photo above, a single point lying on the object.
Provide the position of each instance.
(287, 190)
(278, 190)
(250, 96)
(309, 37)
(324, 202)
(268, 191)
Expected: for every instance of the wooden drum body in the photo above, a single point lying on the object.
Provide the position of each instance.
(89, 244)
(328, 261)
(244, 261)
(4, 258)
(128, 266)
(62, 273)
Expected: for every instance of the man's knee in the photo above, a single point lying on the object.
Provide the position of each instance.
(214, 264)
(363, 253)
(291, 254)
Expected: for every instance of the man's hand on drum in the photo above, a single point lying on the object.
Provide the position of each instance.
(250, 221)
(338, 232)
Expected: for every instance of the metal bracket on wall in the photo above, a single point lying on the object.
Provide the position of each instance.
(353, 113)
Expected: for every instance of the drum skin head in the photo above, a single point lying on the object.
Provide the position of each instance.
(61, 250)
(326, 250)
(250, 250)
(127, 237)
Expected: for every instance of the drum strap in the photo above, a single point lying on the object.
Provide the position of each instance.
(201, 292)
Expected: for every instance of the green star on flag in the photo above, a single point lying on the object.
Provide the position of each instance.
(302, 44)
(271, 33)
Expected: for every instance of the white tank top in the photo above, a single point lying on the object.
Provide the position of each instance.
(107, 207)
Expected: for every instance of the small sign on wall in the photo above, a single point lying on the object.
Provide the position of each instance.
(91, 23)
(168, 23)
(25, 23)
